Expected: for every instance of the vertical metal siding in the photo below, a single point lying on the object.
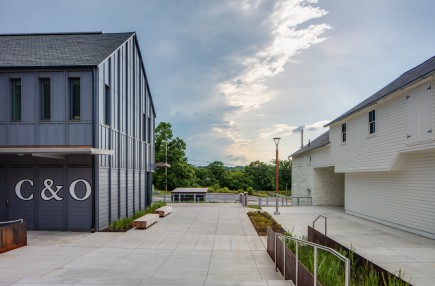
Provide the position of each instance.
(103, 197)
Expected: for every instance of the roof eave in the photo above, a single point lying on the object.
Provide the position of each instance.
(428, 74)
(62, 67)
(297, 153)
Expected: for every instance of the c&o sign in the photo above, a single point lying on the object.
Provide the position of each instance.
(50, 192)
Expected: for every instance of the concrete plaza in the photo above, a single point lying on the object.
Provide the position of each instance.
(197, 244)
(388, 247)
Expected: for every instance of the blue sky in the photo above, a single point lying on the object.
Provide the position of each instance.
(231, 75)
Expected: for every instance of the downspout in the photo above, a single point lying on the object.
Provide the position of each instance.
(94, 126)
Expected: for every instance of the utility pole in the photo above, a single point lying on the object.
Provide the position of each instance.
(166, 165)
(276, 139)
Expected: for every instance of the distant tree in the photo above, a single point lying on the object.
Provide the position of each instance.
(262, 175)
(202, 177)
(285, 174)
(236, 180)
(180, 173)
(216, 171)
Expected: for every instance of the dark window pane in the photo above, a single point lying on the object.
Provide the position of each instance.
(75, 98)
(149, 130)
(45, 99)
(372, 127)
(343, 132)
(16, 99)
(144, 125)
(107, 106)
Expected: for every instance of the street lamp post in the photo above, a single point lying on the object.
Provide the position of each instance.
(276, 139)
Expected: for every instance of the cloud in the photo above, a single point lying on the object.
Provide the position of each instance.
(281, 130)
(317, 126)
(291, 34)
(248, 89)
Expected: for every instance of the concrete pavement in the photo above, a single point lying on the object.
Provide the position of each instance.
(388, 247)
(197, 244)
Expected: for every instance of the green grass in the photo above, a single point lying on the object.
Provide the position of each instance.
(124, 224)
(331, 270)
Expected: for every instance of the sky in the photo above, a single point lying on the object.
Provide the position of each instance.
(230, 75)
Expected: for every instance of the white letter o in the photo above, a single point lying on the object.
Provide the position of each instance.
(72, 190)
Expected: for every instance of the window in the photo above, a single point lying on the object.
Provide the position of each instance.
(372, 125)
(343, 132)
(144, 126)
(74, 90)
(16, 99)
(149, 130)
(107, 103)
(45, 99)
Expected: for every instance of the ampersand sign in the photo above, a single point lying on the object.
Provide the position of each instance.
(48, 183)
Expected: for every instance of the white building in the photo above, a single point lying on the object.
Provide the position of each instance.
(378, 159)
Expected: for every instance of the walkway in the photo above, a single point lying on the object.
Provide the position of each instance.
(390, 248)
(197, 244)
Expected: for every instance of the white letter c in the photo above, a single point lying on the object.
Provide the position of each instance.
(18, 190)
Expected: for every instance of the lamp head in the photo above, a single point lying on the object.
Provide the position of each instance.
(276, 139)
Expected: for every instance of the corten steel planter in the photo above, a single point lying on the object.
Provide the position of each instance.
(12, 236)
(305, 278)
(319, 238)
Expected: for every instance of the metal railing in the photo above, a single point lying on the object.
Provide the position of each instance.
(230, 198)
(316, 246)
(209, 197)
(326, 222)
(265, 201)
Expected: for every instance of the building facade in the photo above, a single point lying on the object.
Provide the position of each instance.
(384, 149)
(76, 130)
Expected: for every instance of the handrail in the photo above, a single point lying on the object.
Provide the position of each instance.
(326, 222)
(11, 221)
(331, 250)
(316, 247)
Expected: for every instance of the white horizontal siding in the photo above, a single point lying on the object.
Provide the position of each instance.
(321, 157)
(404, 199)
(363, 152)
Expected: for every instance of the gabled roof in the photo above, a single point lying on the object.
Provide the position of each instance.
(422, 70)
(58, 50)
(320, 141)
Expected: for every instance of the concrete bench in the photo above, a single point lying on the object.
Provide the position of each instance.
(163, 211)
(146, 221)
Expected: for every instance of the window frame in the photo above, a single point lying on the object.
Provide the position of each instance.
(43, 99)
(343, 132)
(72, 101)
(372, 122)
(16, 115)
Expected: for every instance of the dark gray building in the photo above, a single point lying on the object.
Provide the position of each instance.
(76, 129)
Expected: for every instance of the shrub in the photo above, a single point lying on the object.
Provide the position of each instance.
(250, 191)
(125, 223)
(261, 220)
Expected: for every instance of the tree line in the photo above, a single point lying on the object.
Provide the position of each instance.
(255, 176)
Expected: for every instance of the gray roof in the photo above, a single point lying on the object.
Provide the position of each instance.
(189, 190)
(422, 70)
(320, 141)
(58, 50)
